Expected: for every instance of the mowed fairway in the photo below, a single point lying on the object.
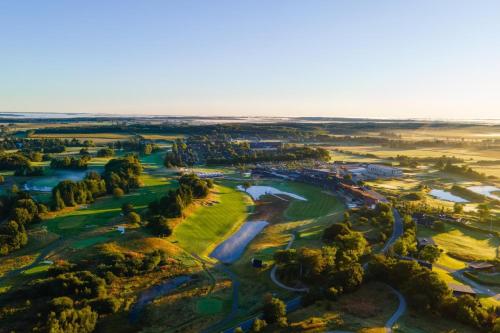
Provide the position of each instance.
(207, 226)
(318, 203)
(105, 209)
(464, 244)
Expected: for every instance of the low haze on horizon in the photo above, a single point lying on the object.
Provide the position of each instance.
(377, 59)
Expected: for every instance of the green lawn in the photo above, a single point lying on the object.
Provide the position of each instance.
(104, 209)
(37, 269)
(318, 203)
(207, 226)
(463, 244)
(81, 244)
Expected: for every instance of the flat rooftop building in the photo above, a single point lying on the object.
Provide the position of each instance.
(384, 171)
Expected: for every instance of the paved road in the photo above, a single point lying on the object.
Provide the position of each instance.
(397, 230)
(478, 288)
(295, 303)
(399, 311)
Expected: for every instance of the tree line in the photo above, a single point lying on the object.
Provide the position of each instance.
(18, 210)
(173, 203)
(119, 174)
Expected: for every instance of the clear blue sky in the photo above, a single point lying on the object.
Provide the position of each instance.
(435, 58)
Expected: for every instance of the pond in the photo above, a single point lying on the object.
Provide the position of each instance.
(258, 191)
(46, 183)
(486, 190)
(447, 196)
(232, 248)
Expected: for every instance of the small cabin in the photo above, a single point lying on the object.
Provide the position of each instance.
(424, 241)
(257, 263)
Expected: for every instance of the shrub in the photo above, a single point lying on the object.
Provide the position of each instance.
(118, 192)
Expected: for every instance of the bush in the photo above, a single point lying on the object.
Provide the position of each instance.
(105, 152)
(160, 226)
(118, 192)
(274, 309)
(133, 218)
(72, 321)
(106, 305)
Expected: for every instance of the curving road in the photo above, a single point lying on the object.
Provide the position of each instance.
(399, 311)
(275, 268)
(397, 231)
(478, 288)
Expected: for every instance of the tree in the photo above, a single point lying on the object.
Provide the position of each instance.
(72, 321)
(429, 253)
(273, 310)
(118, 192)
(331, 233)
(458, 208)
(483, 211)
(246, 185)
(127, 207)
(133, 218)
(258, 325)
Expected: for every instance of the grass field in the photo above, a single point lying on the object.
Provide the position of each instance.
(464, 244)
(207, 226)
(37, 269)
(369, 306)
(318, 203)
(417, 322)
(209, 306)
(96, 137)
(105, 209)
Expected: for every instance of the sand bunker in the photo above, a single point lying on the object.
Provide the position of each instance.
(258, 191)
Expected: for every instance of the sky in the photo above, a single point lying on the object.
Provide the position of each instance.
(380, 59)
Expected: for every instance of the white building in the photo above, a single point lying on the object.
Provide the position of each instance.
(384, 171)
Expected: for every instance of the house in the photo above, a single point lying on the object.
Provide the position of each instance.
(460, 289)
(384, 171)
(423, 219)
(424, 241)
(481, 266)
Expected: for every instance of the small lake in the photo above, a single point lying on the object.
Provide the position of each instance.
(258, 191)
(486, 190)
(232, 248)
(447, 196)
(46, 183)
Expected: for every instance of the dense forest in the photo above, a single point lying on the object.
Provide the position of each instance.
(216, 151)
